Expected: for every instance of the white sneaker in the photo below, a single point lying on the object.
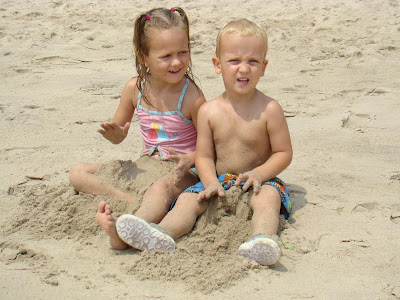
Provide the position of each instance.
(141, 235)
(264, 251)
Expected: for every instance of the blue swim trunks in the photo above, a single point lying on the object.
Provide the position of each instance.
(228, 180)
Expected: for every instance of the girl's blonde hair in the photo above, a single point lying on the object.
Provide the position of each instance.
(157, 18)
(243, 27)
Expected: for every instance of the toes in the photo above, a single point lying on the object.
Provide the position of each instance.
(102, 207)
(110, 218)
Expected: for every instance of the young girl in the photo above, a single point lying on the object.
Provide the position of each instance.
(167, 101)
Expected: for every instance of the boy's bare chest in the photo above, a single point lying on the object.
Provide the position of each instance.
(244, 129)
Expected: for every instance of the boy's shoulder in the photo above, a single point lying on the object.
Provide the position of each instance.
(271, 105)
(211, 107)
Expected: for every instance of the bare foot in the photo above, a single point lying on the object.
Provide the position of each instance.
(107, 222)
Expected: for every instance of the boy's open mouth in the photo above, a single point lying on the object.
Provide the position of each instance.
(243, 80)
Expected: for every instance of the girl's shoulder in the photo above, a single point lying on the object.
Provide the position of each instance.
(132, 83)
(194, 93)
(131, 88)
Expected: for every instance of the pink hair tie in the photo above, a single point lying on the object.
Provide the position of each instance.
(148, 17)
(173, 9)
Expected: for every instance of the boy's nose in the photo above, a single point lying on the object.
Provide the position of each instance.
(243, 68)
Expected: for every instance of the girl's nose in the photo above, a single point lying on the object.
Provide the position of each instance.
(176, 61)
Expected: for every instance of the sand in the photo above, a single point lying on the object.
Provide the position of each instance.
(333, 66)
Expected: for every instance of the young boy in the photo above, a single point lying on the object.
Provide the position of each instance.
(240, 132)
(244, 132)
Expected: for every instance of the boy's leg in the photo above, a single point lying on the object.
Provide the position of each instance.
(107, 222)
(82, 177)
(266, 210)
(159, 196)
(263, 247)
(181, 219)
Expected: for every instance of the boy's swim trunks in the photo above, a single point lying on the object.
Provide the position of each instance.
(228, 180)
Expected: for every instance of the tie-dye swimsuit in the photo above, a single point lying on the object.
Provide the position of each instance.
(166, 129)
(228, 180)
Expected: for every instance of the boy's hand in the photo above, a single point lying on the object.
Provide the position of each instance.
(182, 164)
(113, 132)
(212, 190)
(250, 178)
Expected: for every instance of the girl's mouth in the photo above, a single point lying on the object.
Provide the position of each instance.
(175, 71)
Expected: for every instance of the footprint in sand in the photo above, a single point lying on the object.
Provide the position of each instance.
(356, 121)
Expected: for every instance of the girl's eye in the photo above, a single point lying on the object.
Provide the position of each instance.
(183, 52)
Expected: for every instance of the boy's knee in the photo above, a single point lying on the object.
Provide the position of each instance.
(268, 198)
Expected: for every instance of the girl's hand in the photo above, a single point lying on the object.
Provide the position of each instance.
(213, 189)
(183, 164)
(251, 178)
(113, 132)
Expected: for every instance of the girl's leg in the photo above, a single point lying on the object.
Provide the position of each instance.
(159, 196)
(107, 222)
(181, 219)
(83, 179)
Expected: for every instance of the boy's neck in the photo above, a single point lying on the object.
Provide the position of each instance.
(240, 98)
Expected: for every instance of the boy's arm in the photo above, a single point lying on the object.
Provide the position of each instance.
(117, 130)
(281, 148)
(205, 155)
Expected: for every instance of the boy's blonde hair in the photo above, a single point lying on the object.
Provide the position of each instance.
(243, 27)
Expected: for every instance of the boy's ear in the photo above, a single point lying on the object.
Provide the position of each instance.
(217, 64)
(265, 63)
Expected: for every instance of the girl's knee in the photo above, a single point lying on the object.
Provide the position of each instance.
(78, 173)
(75, 174)
(189, 200)
(162, 186)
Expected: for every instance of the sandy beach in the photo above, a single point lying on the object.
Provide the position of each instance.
(333, 66)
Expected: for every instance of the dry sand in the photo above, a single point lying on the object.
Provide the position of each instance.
(334, 67)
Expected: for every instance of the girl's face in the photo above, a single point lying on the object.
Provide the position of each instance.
(169, 56)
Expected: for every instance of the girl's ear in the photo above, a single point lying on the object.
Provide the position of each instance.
(217, 64)
(145, 62)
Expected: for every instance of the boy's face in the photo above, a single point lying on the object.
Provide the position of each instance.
(241, 62)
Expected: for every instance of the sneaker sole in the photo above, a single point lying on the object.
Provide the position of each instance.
(141, 235)
(264, 251)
